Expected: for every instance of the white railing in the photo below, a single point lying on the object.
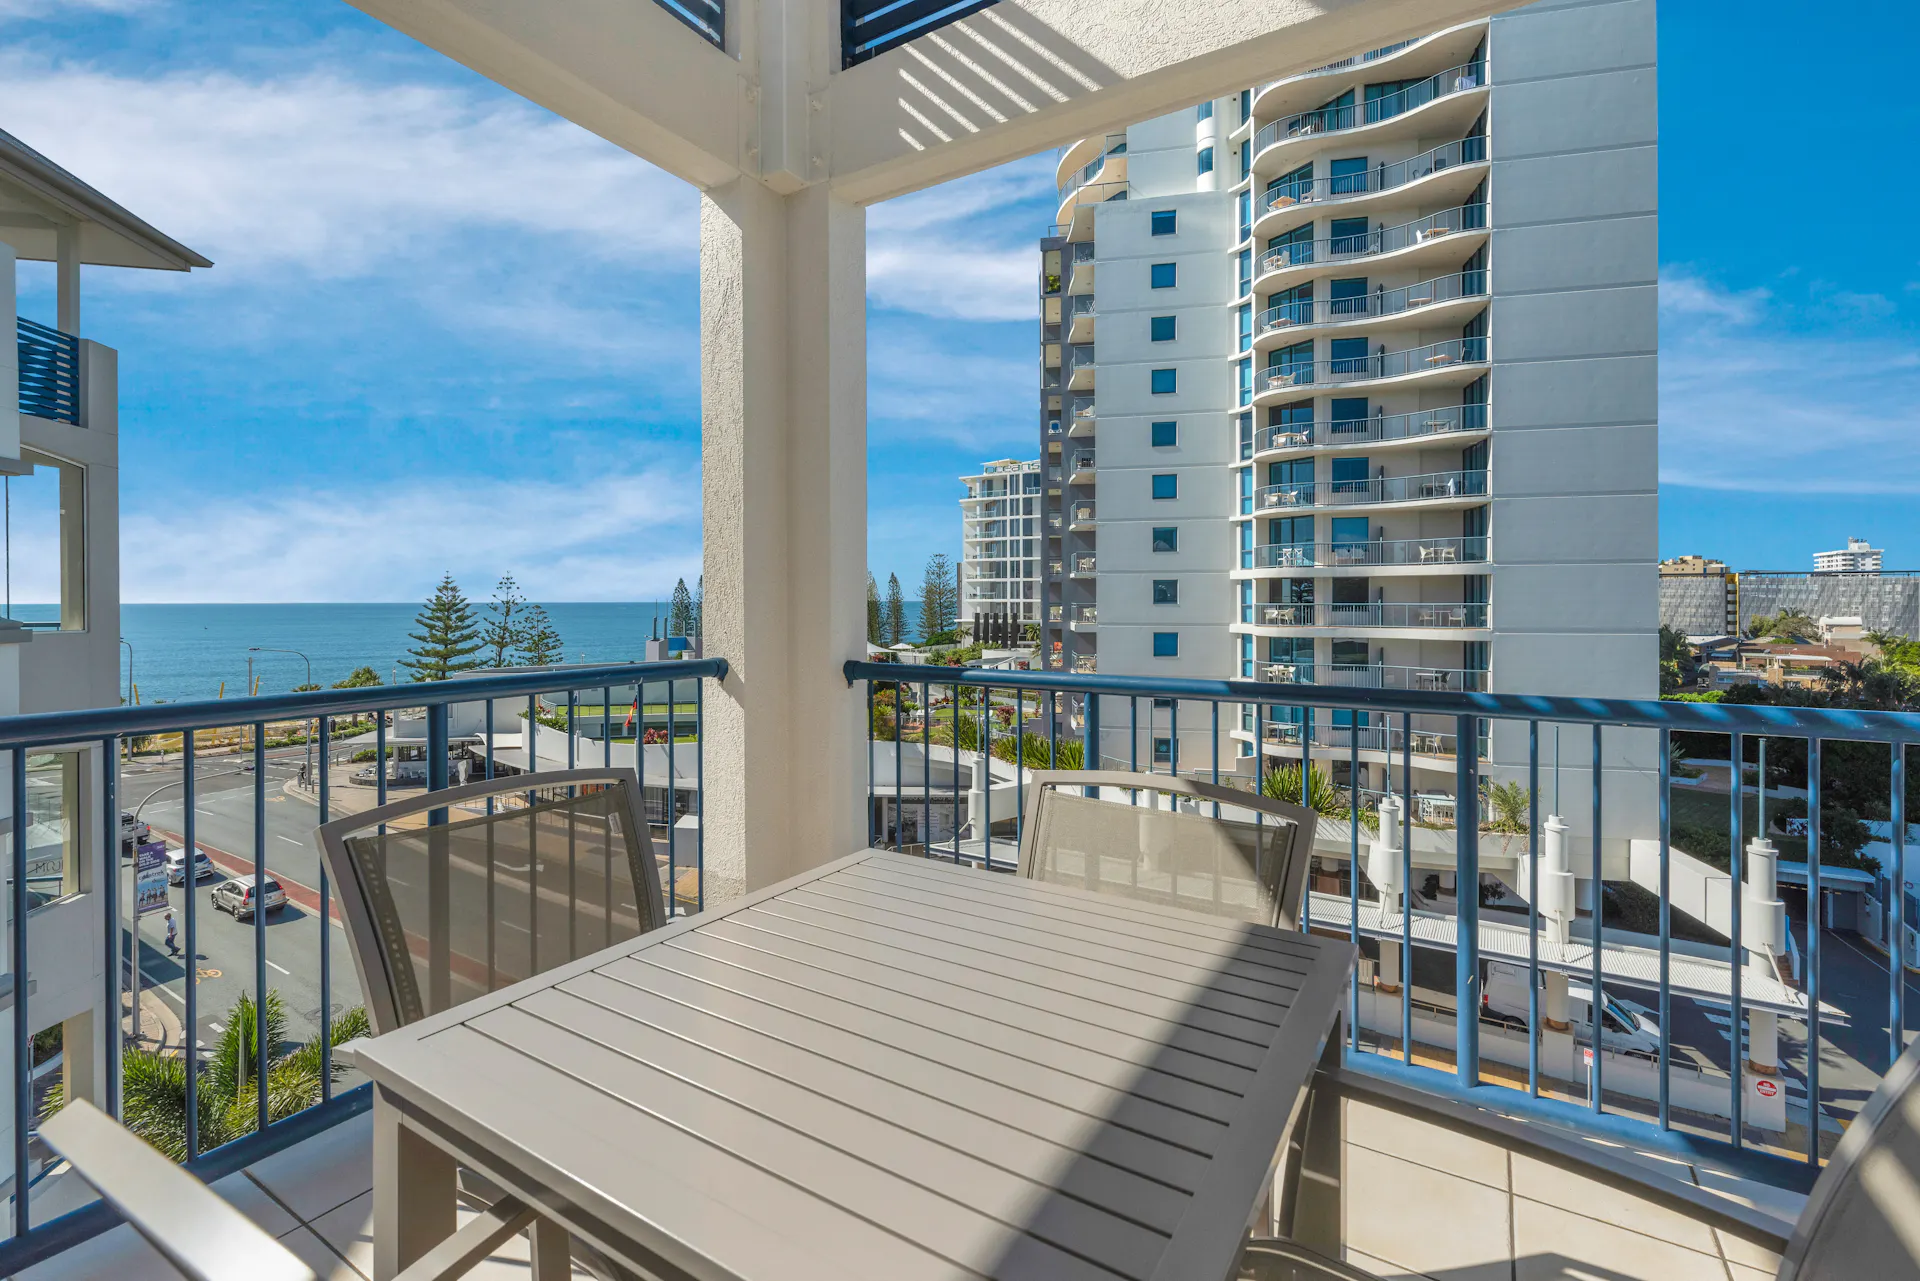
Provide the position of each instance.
(1377, 489)
(1344, 370)
(1382, 177)
(1380, 427)
(1340, 555)
(1356, 115)
(1381, 240)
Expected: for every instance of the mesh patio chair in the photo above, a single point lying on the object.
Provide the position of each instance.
(1168, 840)
(527, 873)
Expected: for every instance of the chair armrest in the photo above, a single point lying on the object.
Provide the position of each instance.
(200, 1234)
(1277, 1259)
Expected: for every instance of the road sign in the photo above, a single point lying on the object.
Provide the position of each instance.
(150, 879)
(1766, 1089)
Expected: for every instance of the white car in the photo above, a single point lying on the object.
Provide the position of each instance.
(1625, 1027)
(177, 867)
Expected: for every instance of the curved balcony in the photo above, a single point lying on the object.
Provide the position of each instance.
(1102, 178)
(1382, 429)
(1080, 518)
(1451, 97)
(1080, 162)
(1386, 614)
(1446, 236)
(1443, 300)
(1452, 363)
(1375, 553)
(1438, 488)
(1289, 93)
(1451, 170)
(1374, 676)
(1385, 739)
(1082, 468)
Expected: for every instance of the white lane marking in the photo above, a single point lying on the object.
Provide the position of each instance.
(288, 839)
(215, 1026)
(180, 1001)
(283, 970)
(510, 925)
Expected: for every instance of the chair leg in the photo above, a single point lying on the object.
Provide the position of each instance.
(552, 1251)
(413, 1192)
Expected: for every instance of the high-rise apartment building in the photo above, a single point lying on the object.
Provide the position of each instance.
(1857, 557)
(1349, 378)
(1000, 541)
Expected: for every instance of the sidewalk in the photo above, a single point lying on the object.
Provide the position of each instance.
(161, 1031)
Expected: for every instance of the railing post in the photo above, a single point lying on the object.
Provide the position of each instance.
(437, 757)
(1466, 957)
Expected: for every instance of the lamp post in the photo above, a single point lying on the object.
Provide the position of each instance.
(271, 649)
(130, 691)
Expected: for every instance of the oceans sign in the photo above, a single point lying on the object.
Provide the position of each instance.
(150, 879)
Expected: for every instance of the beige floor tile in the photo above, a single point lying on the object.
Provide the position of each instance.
(119, 1254)
(1741, 1272)
(1425, 1220)
(1781, 1203)
(248, 1198)
(1572, 1190)
(349, 1230)
(328, 1170)
(1746, 1253)
(1425, 1143)
(1551, 1244)
(326, 1265)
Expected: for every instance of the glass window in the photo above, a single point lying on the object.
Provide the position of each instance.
(1166, 435)
(1162, 328)
(1166, 644)
(1165, 382)
(1166, 591)
(1163, 751)
(1163, 274)
(1206, 160)
(1349, 530)
(56, 856)
(1204, 111)
(1347, 355)
(1349, 296)
(1290, 188)
(1164, 221)
(1347, 470)
(1347, 176)
(1349, 413)
(1167, 484)
(1347, 236)
(1166, 539)
(1246, 104)
(1245, 204)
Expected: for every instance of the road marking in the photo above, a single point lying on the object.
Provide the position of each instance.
(282, 969)
(215, 1026)
(288, 839)
(167, 992)
(510, 925)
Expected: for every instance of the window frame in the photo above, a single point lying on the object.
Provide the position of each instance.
(1170, 480)
(1164, 222)
(1163, 382)
(1166, 644)
(1166, 539)
(1172, 434)
(1171, 272)
(1155, 324)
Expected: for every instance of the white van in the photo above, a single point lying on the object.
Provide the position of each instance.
(1627, 1027)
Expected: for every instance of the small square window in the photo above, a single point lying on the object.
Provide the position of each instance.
(1164, 275)
(1166, 539)
(1163, 751)
(1166, 591)
(1165, 382)
(1164, 221)
(1162, 328)
(1166, 644)
(1166, 435)
(1166, 485)
(1206, 160)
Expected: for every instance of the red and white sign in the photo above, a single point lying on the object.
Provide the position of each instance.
(1766, 1089)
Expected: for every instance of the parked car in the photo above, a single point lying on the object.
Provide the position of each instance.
(1626, 1026)
(236, 896)
(177, 867)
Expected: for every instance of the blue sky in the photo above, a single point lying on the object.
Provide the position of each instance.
(446, 330)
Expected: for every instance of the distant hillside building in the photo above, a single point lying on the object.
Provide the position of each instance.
(1698, 597)
(1855, 558)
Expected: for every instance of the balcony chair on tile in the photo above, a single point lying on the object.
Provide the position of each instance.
(1860, 1222)
(1174, 841)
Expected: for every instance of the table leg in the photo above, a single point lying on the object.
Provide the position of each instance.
(413, 1192)
(1311, 1210)
(552, 1252)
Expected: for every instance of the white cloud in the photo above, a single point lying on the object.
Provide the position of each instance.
(10, 9)
(965, 250)
(1685, 294)
(339, 176)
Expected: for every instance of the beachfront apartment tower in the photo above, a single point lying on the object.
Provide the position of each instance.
(1857, 557)
(1000, 542)
(1349, 379)
(59, 435)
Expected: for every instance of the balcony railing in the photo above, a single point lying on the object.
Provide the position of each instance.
(49, 372)
(1366, 738)
(1459, 79)
(1081, 407)
(1379, 489)
(1354, 431)
(1370, 614)
(1115, 145)
(1380, 240)
(1374, 306)
(1083, 461)
(1082, 513)
(1400, 551)
(1373, 676)
(1086, 614)
(1383, 177)
(1381, 365)
(1083, 564)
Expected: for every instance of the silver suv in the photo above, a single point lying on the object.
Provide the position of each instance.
(236, 896)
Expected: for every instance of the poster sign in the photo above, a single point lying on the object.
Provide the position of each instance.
(150, 879)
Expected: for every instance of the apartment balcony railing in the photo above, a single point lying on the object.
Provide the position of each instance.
(1083, 564)
(1345, 432)
(1357, 115)
(1083, 252)
(1378, 305)
(1083, 461)
(1361, 369)
(49, 372)
(1370, 614)
(1397, 551)
(1053, 521)
(1369, 56)
(1056, 568)
(1382, 240)
(1116, 145)
(1086, 614)
(1373, 676)
(1083, 513)
(1379, 489)
(1081, 407)
(1365, 738)
(1382, 177)
(1085, 664)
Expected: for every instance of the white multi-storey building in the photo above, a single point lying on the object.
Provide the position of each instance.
(1373, 389)
(999, 541)
(1855, 558)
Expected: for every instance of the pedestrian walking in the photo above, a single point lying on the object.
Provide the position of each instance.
(173, 941)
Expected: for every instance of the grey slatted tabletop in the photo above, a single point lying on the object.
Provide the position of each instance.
(892, 1068)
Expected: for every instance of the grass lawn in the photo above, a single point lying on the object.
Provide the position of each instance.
(1691, 807)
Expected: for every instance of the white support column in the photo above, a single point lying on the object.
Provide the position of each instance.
(1556, 881)
(67, 279)
(9, 363)
(1763, 923)
(784, 467)
(1385, 869)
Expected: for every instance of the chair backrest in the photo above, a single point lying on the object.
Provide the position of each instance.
(526, 873)
(1169, 840)
(1862, 1220)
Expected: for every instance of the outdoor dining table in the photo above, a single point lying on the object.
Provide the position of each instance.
(889, 1068)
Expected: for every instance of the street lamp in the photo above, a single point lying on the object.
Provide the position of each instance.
(271, 649)
(130, 691)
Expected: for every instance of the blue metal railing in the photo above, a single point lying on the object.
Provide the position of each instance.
(869, 28)
(1006, 722)
(49, 372)
(707, 17)
(547, 700)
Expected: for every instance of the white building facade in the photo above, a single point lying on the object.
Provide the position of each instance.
(1855, 558)
(1372, 396)
(999, 542)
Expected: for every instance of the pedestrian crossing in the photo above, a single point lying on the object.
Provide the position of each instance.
(1723, 1024)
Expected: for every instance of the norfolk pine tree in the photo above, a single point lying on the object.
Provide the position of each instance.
(448, 634)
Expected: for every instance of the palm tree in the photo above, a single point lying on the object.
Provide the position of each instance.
(153, 1089)
(1509, 807)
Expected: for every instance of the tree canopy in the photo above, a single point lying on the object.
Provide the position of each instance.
(447, 638)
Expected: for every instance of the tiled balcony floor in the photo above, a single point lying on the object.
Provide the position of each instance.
(1423, 1202)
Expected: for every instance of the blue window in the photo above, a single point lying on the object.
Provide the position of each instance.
(1349, 296)
(1349, 413)
(1163, 274)
(1166, 591)
(1166, 435)
(1167, 539)
(1167, 484)
(1166, 644)
(1165, 382)
(1349, 531)
(1243, 377)
(1347, 236)
(1165, 221)
(1162, 747)
(1244, 319)
(1206, 160)
(1349, 475)
(1347, 355)
(1246, 213)
(1246, 104)
(1205, 112)
(1163, 328)
(1347, 176)
(1246, 161)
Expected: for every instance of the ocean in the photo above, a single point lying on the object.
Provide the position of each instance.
(185, 652)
